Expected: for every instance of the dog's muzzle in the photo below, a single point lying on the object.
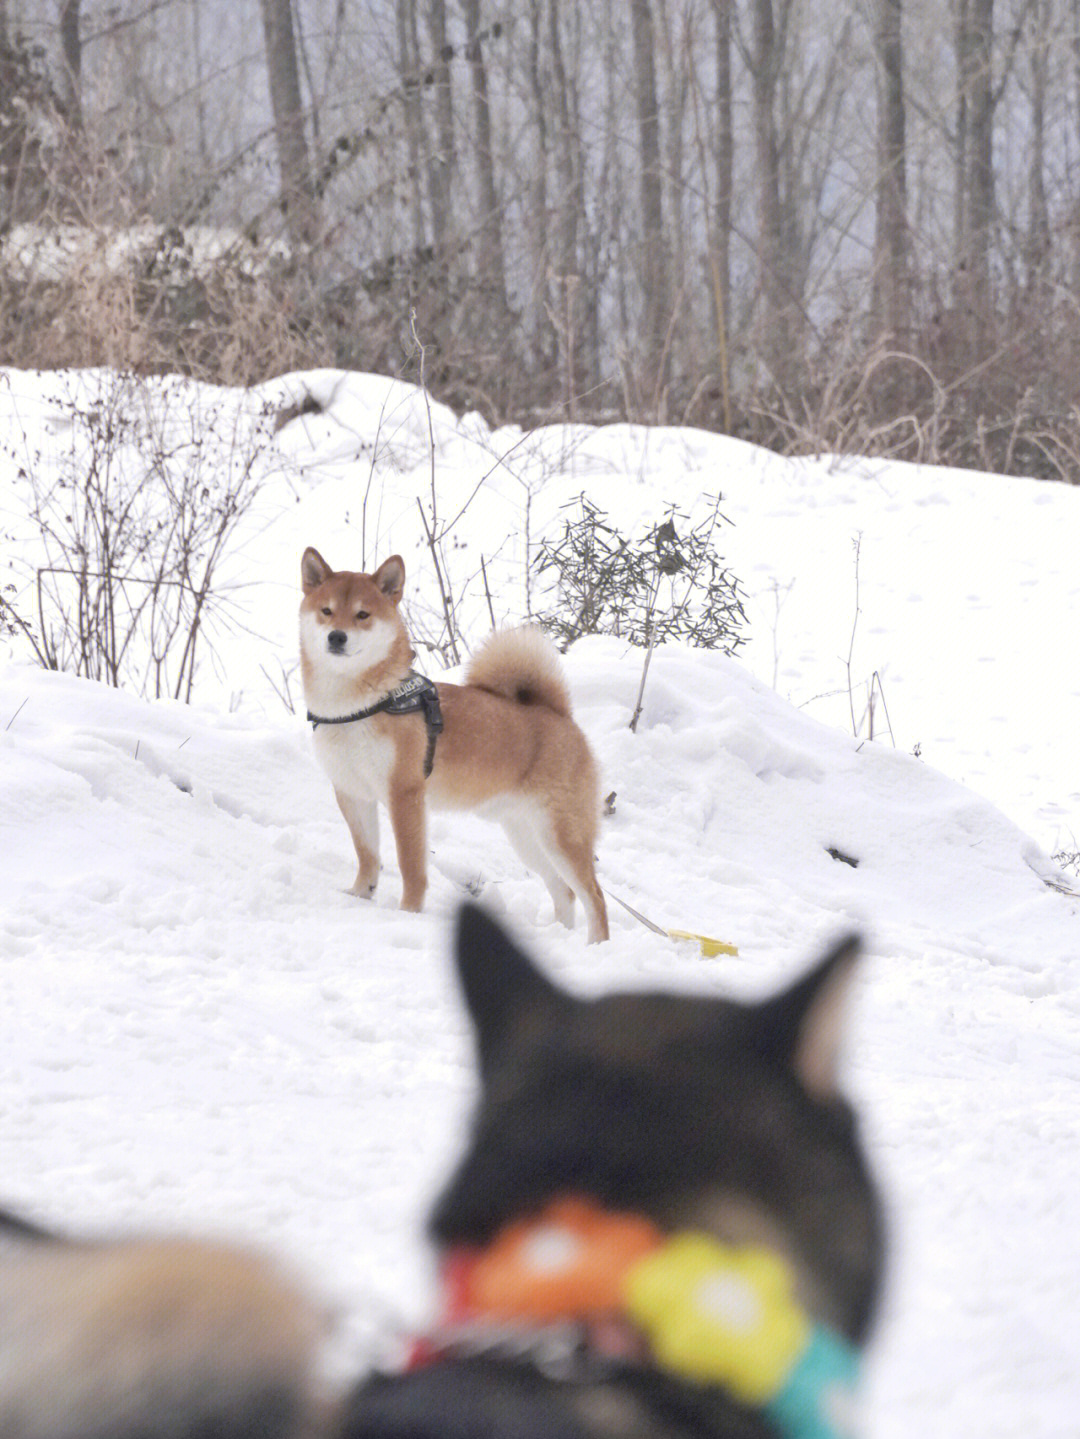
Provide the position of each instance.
(336, 641)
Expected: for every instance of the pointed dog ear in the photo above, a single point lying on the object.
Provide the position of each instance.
(390, 577)
(502, 986)
(803, 1025)
(313, 570)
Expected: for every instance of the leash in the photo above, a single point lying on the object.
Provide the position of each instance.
(710, 948)
(417, 694)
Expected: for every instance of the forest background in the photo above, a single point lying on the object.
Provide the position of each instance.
(852, 227)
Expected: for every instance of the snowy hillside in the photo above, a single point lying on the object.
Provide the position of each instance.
(202, 1030)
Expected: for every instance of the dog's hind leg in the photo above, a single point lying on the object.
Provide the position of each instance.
(522, 835)
(362, 817)
(571, 853)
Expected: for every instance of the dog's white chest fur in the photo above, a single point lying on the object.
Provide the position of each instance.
(357, 759)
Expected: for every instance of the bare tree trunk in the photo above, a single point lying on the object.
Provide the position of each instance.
(777, 311)
(409, 72)
(203, 147)
(71, 49)
(298, 196)
(491, 257)
(1074, 12)
(654, 277)
(441, 159)
(1038, 239)
(605, 232)
(674, 49)
(976, 172)
(981, 157)
(546, 311)
(566, 269)
(960, 153)
(725, 177)
(891, 289)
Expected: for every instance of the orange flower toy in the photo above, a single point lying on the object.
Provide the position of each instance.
(570, 1262)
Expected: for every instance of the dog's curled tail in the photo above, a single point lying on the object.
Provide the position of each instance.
(521, 665)
(153, 1340)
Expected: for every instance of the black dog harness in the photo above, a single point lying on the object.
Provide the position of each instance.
(417, 694)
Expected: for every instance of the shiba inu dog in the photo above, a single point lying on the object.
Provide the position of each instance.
(151, 1339)
(504, 743)
(664, 1224)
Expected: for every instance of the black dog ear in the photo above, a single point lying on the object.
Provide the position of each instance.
(14, 1228)
(803, 1025)
(502, 986)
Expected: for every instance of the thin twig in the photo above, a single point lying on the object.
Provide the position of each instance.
(653, 631)
(487, 593)
(15, 716)
(857, 542)
(875, 678)
(431, 531)
(447, 613)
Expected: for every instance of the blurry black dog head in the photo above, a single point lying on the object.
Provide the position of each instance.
(697, 1113)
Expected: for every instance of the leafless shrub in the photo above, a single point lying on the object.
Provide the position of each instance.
(661, 586)
(607, 584)
(132, 519)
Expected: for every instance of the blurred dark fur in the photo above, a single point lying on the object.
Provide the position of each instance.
(699, 1113)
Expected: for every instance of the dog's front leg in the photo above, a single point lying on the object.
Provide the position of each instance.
(408, 815)
(362, 817)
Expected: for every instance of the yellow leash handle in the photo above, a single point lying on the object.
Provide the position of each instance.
(710, 948)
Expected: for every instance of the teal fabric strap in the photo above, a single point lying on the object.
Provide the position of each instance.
(818, 1397)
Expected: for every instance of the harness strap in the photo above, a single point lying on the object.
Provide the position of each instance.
(416, 693)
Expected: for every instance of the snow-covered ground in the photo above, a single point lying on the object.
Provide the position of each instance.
(200, 1029)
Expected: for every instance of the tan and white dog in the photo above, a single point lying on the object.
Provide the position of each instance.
(508, 749)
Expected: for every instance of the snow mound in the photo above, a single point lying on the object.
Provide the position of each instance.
(202, 1030)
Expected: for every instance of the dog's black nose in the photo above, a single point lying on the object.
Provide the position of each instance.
(335, 640)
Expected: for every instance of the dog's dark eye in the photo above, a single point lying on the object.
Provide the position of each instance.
(361, 614)
(326, 609)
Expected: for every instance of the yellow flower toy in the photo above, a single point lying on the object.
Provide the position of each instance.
(719, 1315)
(728, 1316)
